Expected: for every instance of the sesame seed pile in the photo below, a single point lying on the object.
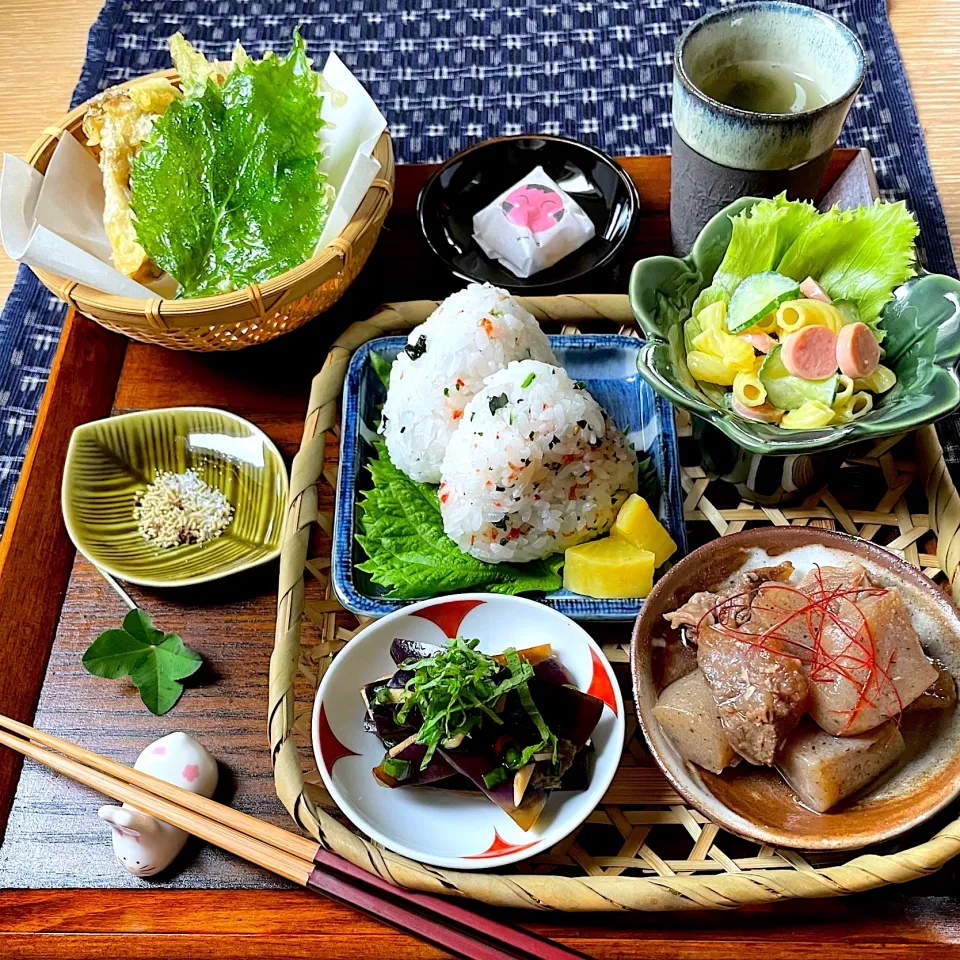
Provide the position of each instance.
(179, 508)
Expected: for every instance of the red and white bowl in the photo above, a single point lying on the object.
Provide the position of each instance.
(444, 827)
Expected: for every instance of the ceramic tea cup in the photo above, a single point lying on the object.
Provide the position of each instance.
(722, 152)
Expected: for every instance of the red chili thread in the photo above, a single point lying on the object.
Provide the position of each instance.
(817, 612)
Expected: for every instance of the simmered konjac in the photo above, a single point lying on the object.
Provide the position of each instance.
(511, 725)
(809, 675)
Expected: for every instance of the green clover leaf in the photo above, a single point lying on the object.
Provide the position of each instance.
(153, 660)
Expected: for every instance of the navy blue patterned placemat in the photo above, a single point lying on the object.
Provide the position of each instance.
(448, 73)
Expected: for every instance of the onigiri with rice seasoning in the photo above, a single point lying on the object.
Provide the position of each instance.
(533, 468)
(472, 334)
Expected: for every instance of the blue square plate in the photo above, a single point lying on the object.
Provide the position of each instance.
(608, 365)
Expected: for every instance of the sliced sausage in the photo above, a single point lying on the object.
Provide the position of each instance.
(760, 342)
(765, 413)
(858, 353)
(810, 353)
(813, 291)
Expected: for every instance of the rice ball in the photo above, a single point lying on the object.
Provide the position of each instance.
(473, 333)
(534, 467)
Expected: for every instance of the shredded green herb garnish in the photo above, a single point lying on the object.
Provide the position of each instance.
(454, 691)
(549, 741)
(526, 383)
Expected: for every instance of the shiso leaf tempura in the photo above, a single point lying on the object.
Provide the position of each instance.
(227, 189)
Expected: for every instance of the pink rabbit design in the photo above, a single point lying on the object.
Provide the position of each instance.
(533, 206)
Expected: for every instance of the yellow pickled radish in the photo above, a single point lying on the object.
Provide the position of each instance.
(637, 524)
(609, 568)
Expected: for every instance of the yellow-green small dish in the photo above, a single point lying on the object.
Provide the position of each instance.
(110, 462)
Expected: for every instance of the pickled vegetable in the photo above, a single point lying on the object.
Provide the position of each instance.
(637, 524)
(609, 568)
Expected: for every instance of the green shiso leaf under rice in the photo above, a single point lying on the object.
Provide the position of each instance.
(409, 553)
(648, 481)
(381, 367)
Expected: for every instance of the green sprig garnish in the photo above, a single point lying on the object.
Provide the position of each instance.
(455, 690)
(227, 189)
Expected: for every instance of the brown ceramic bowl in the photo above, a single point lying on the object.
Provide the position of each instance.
(753, 802)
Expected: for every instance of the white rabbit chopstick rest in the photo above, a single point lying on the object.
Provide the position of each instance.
(143, 844)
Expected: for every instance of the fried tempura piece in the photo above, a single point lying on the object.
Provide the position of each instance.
(195, 69)
(118, 123)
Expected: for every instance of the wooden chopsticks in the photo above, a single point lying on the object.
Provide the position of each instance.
(442, 922)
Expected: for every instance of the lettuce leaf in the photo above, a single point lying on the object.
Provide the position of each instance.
(408, 551)
(227, 191)
(761, 236)
(860, 255)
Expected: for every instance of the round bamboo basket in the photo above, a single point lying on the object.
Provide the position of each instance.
(229, 321)
(659, 854)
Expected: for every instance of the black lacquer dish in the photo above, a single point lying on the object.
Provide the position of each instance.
(474, 177)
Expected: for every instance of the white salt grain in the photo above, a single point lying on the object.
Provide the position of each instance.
(180, 508)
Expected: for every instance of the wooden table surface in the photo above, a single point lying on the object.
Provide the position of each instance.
(39, 69)
(96, 373)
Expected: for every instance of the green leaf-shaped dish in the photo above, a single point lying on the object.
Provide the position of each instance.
(110, 462)
(922, 347)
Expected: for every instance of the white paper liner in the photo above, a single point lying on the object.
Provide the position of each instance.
(551, 225)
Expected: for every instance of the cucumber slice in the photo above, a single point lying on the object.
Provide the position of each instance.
(848, 310)
(787, 392)
(757, 296)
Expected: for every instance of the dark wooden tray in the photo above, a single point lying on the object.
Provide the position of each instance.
(64, 895)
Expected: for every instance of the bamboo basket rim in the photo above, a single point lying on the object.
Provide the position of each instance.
(197, 312)
(727, 890)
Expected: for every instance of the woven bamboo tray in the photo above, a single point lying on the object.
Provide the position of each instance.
(642, 848)
(229, 321)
